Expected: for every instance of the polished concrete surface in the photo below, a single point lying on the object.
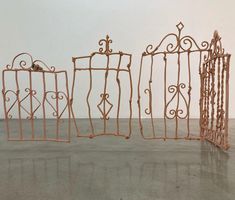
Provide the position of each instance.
(112, 168)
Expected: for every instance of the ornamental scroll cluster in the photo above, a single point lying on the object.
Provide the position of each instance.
(181, 44)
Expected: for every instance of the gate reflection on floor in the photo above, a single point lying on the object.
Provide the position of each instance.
(116, 174)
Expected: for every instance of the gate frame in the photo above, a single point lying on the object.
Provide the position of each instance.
(183, 44)
(35, 66)
(107, 51)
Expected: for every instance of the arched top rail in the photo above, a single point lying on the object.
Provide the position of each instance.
(25, 61)
(180, 44)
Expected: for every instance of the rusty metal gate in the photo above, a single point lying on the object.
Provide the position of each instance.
(38, 95)
(214, 99)
(112, 67)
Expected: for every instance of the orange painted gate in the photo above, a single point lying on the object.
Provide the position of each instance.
(30, 114)
(214, 101)
(166, 89)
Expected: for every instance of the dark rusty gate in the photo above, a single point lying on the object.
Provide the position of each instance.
(214, 101)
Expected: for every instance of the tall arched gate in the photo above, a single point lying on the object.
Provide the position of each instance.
(101, 80)
(36, 99)
(165, 88)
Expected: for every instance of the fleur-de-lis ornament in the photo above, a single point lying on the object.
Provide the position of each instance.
(105, 42)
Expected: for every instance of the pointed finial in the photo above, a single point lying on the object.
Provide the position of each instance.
(180, 26)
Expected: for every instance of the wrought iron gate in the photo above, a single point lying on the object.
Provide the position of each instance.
(177, 94)
(214, 99)
(104, 105)
(21, 100)
(213, 67)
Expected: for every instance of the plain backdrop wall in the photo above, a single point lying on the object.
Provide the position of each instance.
(56, 30)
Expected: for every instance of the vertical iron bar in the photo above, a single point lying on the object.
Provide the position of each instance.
(5, 106)
(139, 97)
(69, 107)
(218, 101)
(165, 89)
(104, 93)
(88, 95)
(31, 104)
(43, 106)
(201, 73)
(189, 94)
(57, 107)
(19, 106)
(178, 96)
(72, 95)
(119, 92)
(150, 96)
(226, 145)
(131, 94)
(208, 97)
(212, 73)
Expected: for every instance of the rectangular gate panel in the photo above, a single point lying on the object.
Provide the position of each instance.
(215, 95)
(108, 102)
(32, 96)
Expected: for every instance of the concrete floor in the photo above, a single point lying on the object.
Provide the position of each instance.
(111, 168)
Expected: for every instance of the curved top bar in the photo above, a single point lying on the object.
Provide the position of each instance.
(31, 65)
(181, 44)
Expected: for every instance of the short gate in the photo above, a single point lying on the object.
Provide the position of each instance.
(24, 105)
(110, 67)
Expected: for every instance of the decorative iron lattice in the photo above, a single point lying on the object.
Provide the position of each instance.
(19, 97)
(214, 99)
(105, 106)
(181, 91)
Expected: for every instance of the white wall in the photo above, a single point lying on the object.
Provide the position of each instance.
(56, 30)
